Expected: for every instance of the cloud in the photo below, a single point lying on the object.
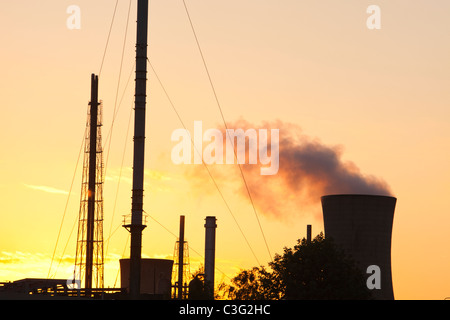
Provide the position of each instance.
(20, 265)
(157, 175)
(46, 189)
(126, 175)
(8, 258)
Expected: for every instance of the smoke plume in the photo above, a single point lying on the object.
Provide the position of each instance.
(308, 169)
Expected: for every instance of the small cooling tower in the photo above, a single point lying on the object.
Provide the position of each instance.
(362, 226)
(156, 276)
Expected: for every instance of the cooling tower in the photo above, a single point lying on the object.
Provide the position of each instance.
(156, 276)
(362, 226)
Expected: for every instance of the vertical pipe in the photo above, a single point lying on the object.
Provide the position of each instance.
(308, 233)
(92, 181)
(210, 252)
(181, 258)
(139, 148)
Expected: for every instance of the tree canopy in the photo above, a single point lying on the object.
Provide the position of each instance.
(315, 269)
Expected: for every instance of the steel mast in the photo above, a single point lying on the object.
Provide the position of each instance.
(137, 225)
(89, 251)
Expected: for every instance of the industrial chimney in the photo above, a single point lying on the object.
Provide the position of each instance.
(210, 253)
(362, 226)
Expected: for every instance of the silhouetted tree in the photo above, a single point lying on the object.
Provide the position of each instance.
(311, 270)
(255, 284)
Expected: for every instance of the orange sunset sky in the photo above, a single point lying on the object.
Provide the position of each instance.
(379, 97)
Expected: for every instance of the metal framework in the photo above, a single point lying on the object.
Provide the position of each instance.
(89, 265)
(181, 291)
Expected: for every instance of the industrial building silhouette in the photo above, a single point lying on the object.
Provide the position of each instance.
(362, 226)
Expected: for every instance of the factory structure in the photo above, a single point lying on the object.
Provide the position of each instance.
(140, 278)
(360, 224)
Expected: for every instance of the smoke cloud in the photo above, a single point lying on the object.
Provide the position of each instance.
(308, 169)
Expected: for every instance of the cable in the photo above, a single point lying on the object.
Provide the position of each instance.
(107, 40)
(115, 112)
(67, 203)
(226, 127)
(120, 178)
(118, 107)
(123, 255)
(204, 164)
(67, 243)
(118, 85)
(73, 178)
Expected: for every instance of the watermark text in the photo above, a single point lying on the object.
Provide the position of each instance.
(234, 150)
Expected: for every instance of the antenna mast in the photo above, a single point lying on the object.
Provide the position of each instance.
(89, 252)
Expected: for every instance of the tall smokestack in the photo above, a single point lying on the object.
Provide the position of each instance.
(210, 253)
(308, 233)
(362, 226)
(137, 226)
(181, 259)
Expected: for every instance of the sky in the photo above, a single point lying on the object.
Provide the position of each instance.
(375, 101)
